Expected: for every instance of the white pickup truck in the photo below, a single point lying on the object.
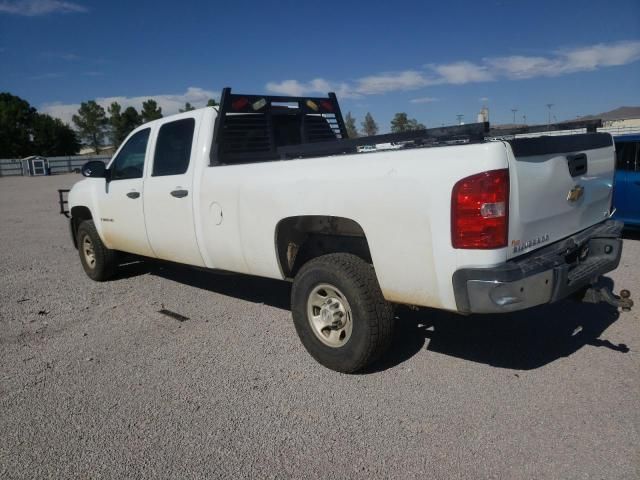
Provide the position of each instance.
(272, 186)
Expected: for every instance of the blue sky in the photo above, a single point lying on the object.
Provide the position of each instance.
(431, 60)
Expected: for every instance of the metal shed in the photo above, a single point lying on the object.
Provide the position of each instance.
(35, 165)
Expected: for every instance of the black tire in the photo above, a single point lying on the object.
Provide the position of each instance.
(371, 315)
(104, 263)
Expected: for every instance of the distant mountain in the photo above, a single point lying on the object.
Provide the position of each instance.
(620, 113)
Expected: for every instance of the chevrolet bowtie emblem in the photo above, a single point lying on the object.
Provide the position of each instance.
(575, 193)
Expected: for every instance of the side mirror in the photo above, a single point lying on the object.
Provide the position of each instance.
(94, 169)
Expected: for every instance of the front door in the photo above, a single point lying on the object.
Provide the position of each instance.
(168, 194)
(122, 214)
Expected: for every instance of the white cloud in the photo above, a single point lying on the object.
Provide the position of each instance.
(170, 103)
(601, 55)
(292, 88)
(391, 81)
(320, 86)
(374, 84)
(459, 73)
(423, 100)
(515, 67)
(563, 62)
(519, 67)
(32, 8)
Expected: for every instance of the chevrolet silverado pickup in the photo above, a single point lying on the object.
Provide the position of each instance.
(460, 218)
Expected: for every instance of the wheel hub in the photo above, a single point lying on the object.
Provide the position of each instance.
(89, 252)
(329, 315)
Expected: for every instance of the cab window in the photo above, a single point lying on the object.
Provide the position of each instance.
(627, 156)
(129, 162)
(173, 148)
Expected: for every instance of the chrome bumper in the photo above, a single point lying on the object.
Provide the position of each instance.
(544, 276)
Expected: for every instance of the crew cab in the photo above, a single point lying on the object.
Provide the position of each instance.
(272, 186)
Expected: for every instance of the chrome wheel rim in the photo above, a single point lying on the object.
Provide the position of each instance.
(89, 252)
(329, 315)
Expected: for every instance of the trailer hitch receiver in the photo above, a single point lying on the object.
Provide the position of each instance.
(597, 294)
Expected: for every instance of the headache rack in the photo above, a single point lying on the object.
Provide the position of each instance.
(259, 128)
(251, 128)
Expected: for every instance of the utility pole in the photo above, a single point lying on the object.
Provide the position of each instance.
(459, 117)
(524, 119)
(514, 110)
(549, 105)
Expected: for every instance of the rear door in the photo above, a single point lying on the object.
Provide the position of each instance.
(168, 193)
(560, 185)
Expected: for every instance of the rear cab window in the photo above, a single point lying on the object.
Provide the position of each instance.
(173, 148)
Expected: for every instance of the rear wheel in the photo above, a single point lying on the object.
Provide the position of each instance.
(339, 312)
(98, 261)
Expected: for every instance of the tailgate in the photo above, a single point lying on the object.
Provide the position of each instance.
(559, 185)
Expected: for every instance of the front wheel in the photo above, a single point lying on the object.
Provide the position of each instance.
(98, 261)
(339, 312)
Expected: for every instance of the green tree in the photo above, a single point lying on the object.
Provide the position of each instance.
(187, 108)
(16, 119)
(91, 122)
(415, 125)
(130, 120)
(369, 126)
(122, 123)
(212, 103)
(115, 123)
(51, 137)
(401, 123)
(350, 125)
(150, 111)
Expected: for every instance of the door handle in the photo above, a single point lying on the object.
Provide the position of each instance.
(180, 193)
(133, 194)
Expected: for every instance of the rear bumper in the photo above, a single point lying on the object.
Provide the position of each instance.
(544, 276)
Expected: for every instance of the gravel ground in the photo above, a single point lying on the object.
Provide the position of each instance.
(95, 383)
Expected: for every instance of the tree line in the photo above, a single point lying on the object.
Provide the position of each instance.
(400, 123)
(93, 124)
(25, 132)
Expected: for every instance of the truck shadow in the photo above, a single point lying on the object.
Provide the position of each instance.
(631, 234)
(521, 341)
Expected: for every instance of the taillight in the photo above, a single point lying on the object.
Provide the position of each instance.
(239, 103)
(480, 211)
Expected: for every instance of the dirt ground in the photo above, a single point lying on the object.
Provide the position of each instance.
(96, 383)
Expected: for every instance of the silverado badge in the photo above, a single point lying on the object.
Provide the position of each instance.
(575, 193)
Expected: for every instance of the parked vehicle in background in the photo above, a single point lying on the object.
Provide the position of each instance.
(367, 148)
(389, 146)
(626, 193)
(486, 226)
